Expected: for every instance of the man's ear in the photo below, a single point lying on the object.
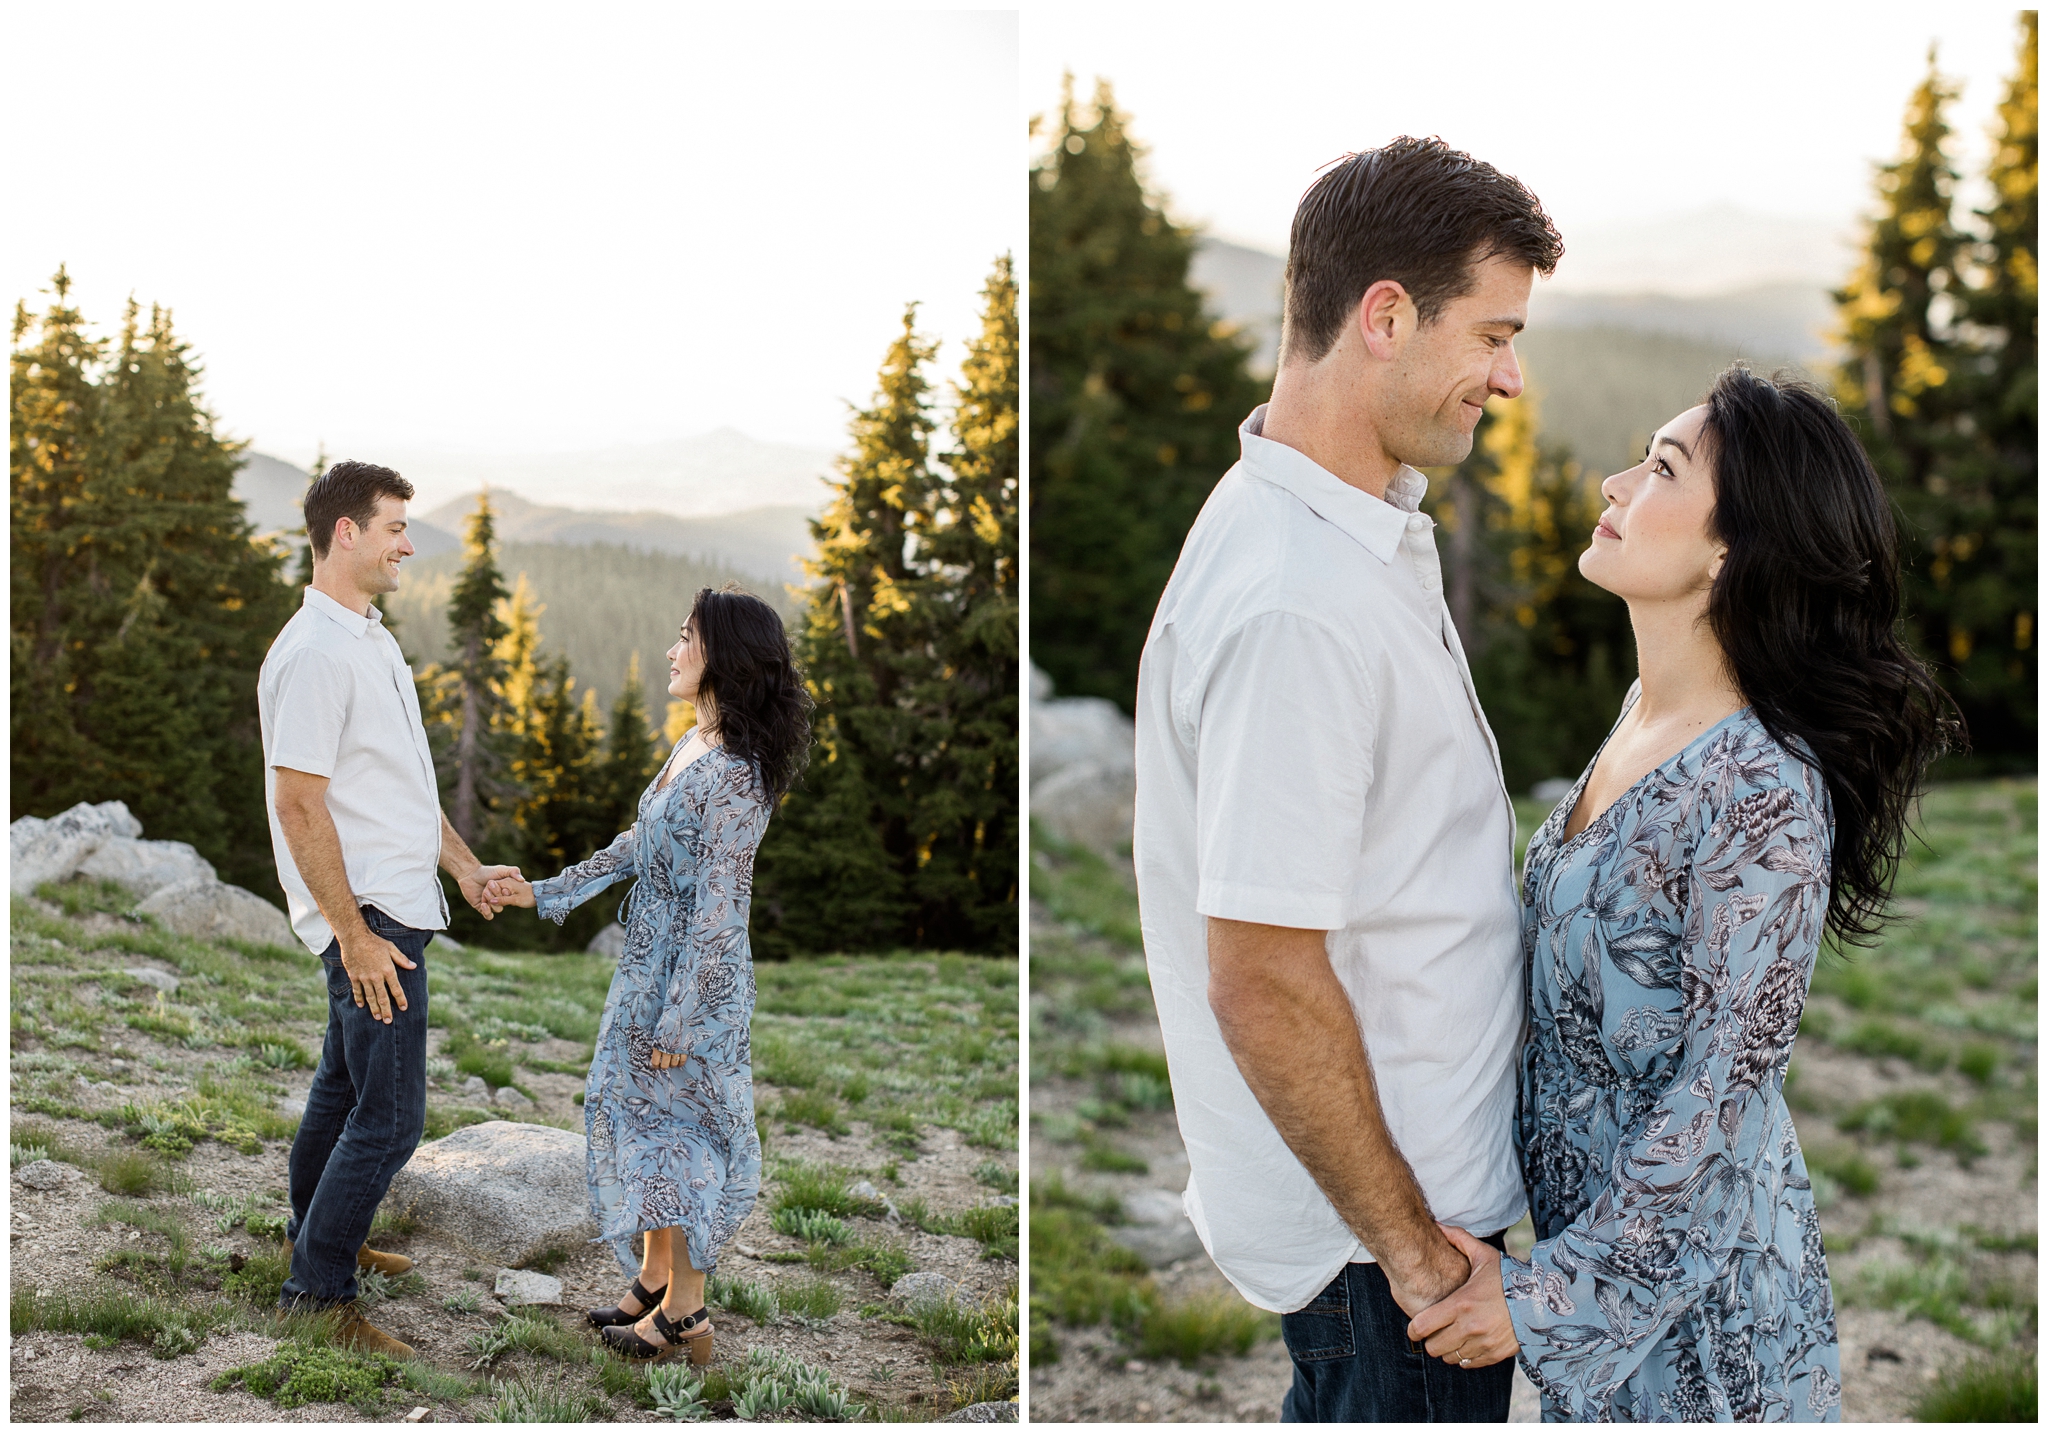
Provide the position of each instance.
(1384, 318)
(344, 535)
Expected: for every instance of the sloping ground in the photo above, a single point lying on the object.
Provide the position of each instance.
(1913, 1085)
(148, 1270)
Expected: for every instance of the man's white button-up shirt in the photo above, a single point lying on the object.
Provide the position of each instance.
(337, 700)
(1311, 754)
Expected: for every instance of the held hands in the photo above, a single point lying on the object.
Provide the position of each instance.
(478, 884)
(1471, 1327)
(510, 890)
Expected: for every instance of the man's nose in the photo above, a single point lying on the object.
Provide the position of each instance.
(1506, 379)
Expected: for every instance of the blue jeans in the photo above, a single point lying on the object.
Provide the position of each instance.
(364, 1116)
(1353, 1362)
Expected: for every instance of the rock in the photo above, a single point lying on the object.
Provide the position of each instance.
(163, 980)
(1088, 805)
(213, 910)
(983, 1413)
(476, 1089)
(1158, 1229)
(1079, 731)
(442, 942)
(146, 867)
(1552, 789)
(924, 1289)
(1004, 1201)
(49, 850)
(42, 1174)
(508, 1191)
(525, 1286)
(511, 1099)
(292, 1107)
(421, 1414)
(610, 941)
(1083, 768)
(865, 1190)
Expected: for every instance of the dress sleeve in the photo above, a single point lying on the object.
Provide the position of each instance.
(555, 897)
(697, 1005)
(1592, 1302)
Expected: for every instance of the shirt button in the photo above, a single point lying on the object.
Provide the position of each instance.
(1417, 522)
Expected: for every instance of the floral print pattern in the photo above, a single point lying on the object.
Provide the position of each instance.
(1678, 1274)
(676, 1147)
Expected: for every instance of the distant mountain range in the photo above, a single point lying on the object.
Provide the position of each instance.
(1606, 367)
(762, 542)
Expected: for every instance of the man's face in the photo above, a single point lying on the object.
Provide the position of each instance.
(379, 548)
(1446, 370)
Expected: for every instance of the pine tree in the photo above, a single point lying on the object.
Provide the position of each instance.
(148, 588)
(1135, 400)
(963, 888)
(630, 756)
(465, 695)
(831, 870)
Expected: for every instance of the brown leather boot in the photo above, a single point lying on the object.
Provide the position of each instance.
(359, 1333)
(389, 1265)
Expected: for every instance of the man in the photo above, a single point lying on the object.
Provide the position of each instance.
(355, 820)
(1323, 839)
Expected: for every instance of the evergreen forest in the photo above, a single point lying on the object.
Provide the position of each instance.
(143, 602)
(1137, 392)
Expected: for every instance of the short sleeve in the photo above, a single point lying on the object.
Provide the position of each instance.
(1283, 757)
(309, 709)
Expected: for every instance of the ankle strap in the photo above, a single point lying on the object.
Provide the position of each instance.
(646, 1296)
(668, 1328)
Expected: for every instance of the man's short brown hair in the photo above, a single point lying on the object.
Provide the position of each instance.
(349, 490)
(1417, 212)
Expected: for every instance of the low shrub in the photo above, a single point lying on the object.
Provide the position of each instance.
(298, 1374)
(2001, 1389)
(1195, 1328)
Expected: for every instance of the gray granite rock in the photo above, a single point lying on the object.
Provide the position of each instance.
(41, 849)
(42, 1174)
(526, 1286)
(508, 1098)
(983, 1413)
(145, 867)
(609, 941)
(924, 1289)
(508, 1191)
(1157, 1228)
(442, 941)
(162, 979)
(475, 1088)
(1083, 768)
(213, 910)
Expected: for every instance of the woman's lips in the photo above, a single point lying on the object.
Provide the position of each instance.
(1603, 530)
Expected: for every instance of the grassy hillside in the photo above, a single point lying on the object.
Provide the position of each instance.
(886, 1100)
(604, 603)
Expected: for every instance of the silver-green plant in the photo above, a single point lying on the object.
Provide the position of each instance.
(678, 1392)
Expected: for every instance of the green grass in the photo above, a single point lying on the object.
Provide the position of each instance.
(2001, 1389)
(543, 1399)
(809, 1300)
(1198, 1327)
(823, 1188)
(743, 1296)
(167, 1327)
(813, 1226)
(298, 1374)
(1917, 1117)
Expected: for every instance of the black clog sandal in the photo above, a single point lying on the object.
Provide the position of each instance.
(605, 1318)
(692, 1333)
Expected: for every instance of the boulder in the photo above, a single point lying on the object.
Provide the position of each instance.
(145, 867)
(213, 910)
(1157, 1228)
(42, 1174)
(924, 1289)
(526, 1286)
(1083, 768)
(508, 1191)
(442, 942)
(475, 1088)
(50, 849)
(608, 942)
(983, 1413)
(505, 1097)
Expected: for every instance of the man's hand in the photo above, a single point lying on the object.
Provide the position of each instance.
(663, 1060)
(1290, 1027)
(1471, 1328)
(476, 887)
(512, 891)
(371, 962)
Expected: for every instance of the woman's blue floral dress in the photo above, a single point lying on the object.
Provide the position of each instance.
(1678, 1273)
(676, 1147)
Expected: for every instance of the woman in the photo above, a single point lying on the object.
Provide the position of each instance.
(1753, 795)
(669, 1105)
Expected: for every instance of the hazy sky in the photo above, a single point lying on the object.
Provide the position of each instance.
(510, 227)
(1611, 114)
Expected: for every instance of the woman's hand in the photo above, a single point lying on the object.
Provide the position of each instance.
(1471, 1328)
(511, 891)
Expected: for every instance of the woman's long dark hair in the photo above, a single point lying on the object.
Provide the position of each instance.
(1806, 608)
(757, 695)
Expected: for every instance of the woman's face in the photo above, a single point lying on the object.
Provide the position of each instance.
(1653, 544)
(686, 664)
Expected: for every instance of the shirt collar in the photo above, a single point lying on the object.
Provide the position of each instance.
(354, 623)
(1374, 524)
